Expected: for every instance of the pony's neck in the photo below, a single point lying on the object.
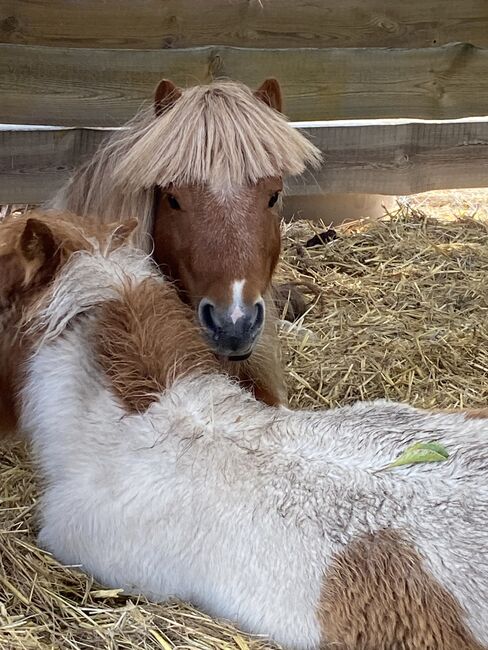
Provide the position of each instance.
(145, 340)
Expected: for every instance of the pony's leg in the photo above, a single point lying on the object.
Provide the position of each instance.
(264, 367)
(262, 375)
(288, 298)
(264, 395)
(267, 397)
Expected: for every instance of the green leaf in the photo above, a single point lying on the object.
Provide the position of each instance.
(432, 446)
(421, 452)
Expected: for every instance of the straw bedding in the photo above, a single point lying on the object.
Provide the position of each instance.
(397, 308)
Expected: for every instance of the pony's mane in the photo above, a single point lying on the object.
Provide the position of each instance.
(219, 135)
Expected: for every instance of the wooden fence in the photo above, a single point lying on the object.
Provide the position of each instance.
(86, 64)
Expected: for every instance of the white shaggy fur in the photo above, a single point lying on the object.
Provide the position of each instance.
(214, 498)
(88, 280)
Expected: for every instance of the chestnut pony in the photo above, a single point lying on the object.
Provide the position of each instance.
(202, 172)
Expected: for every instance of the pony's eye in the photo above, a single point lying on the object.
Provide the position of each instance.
(273, 199)
(173, 202)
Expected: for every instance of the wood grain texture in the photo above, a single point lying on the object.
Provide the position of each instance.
(35, 164)
(83, 87)
(377, 159)
(398, 159)
(159, 24)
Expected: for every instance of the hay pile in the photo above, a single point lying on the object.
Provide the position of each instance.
(402, 313)
(397, 308)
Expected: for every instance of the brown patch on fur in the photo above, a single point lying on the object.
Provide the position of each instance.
(470, 414)
(476, 414)
(12, 276)
(8, 415)
(12, 356)
(378, 596)
(146, 340)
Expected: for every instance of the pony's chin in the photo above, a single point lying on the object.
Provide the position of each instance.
(233, 357)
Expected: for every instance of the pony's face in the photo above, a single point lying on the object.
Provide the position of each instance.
(221, 244)
(222, 249)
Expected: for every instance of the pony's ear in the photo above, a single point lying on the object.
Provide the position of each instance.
(269, 92)
(165, 96)
(39, 249)
(123, 232)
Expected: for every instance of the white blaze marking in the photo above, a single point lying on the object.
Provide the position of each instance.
(236, 306)
(236, 314)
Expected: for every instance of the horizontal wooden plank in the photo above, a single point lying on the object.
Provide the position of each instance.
(83, 87)
(398, 159)
(395, 159)
(35, 164)
(156, 24)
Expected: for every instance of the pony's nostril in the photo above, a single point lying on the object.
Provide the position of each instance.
(259, 316)
(207, 315)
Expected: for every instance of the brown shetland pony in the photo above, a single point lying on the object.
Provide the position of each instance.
(202, 171)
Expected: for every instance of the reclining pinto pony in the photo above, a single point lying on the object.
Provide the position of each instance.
(202, 172)
(165, 477)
